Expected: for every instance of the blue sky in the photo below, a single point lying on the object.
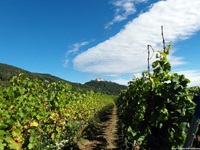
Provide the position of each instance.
(82, 40)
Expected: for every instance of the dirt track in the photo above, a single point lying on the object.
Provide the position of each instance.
(104, 135)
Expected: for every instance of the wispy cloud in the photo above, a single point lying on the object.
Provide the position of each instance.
(75, 48)
(121, 81)
(66, 61)
(124, 8)
(126, 51)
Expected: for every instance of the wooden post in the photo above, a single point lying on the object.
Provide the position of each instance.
(192, 132)
(193, 126)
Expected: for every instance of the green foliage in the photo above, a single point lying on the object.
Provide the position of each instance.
(194, 91)
(106, 87)
(160, 106)
(38, 115)
(8, 71)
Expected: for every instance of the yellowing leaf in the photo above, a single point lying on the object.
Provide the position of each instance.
(33, 124)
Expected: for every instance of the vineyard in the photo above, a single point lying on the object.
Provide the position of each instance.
(154, 111)
(40, 115)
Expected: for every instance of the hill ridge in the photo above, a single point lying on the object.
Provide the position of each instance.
(8, 71)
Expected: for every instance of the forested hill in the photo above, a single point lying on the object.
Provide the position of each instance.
(106, 86)
(8, 71)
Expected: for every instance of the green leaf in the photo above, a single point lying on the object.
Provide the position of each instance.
(3, 126)
(183, 126)
(154, 64)
(164, 114)
(167, 67)
(8, 138)
(31, 145)
(2, 133)
(11, 143)
(22, 113)
(39, 117)
(32, 139)
(130, 131)
(14, 145)
(16, 132)
(10, 122)
(2, 145)
(53, 136)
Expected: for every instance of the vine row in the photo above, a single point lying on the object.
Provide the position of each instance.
(42, 115)
(156, 109)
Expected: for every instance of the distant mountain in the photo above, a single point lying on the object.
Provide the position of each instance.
(8, 71)
(105, 86)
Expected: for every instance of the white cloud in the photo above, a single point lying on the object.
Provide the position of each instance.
(74, 50)
(176, 61)
(121, 81)
(126, 51)
(124, 8)
(76, 47)
(66, 61)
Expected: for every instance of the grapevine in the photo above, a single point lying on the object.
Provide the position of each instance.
(160, 105)
(38, 115)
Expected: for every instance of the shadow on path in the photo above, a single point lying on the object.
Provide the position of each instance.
(102, 136)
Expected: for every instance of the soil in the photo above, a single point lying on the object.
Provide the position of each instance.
(102, 136)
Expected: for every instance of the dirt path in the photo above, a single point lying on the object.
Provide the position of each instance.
(104, 135)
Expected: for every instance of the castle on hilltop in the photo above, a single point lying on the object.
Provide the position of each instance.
(99, 79)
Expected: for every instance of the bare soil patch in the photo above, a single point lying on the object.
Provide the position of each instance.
(102, 136)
